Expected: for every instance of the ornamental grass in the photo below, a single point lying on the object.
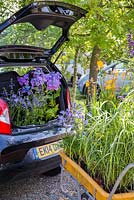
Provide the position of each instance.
(105, 145)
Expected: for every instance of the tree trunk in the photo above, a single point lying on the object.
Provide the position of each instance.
(75, 75)
(93, 73)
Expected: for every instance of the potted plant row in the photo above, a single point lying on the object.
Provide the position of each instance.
(35, 101)
(97, 154)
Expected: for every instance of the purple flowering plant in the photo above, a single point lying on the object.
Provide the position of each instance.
(130, 39)
(74, 118)
(35, 100)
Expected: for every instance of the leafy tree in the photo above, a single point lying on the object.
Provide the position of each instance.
(102, 34)
(103, 31)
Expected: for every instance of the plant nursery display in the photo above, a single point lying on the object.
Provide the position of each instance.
(35, 100)
(104, 147)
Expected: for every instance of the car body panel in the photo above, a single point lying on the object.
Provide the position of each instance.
(42, 14)
(18, 53)
(82, 82)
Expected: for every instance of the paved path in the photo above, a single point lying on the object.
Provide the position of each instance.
(36, 188)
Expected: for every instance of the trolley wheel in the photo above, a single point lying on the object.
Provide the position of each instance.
(84, 196)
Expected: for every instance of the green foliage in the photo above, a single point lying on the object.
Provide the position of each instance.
(106, 25)
(106, 144)
(30, 111)
(35, 101)
(26, 34)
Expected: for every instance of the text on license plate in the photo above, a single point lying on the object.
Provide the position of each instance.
(48, 149)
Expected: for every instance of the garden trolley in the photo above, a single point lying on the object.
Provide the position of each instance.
(86, 188)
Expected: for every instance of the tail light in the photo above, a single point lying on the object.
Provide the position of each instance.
(68, 99)
(5, 125)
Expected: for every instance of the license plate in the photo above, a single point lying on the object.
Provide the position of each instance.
(48, 149)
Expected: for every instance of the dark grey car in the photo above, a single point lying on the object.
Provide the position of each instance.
(32, 149)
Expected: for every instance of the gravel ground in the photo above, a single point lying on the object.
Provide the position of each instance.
(36, 188)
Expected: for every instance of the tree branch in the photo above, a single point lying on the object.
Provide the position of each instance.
(80, 35)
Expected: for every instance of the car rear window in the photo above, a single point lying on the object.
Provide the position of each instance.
(26, 34)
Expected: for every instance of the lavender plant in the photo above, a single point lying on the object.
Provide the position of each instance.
(35, 101)
(74, 117)
(130, 44)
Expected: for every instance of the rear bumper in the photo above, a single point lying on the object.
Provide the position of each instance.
(18, 157)
(29, 166)
(14, 148)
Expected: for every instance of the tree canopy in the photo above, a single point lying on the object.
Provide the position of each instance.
(105, 26)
